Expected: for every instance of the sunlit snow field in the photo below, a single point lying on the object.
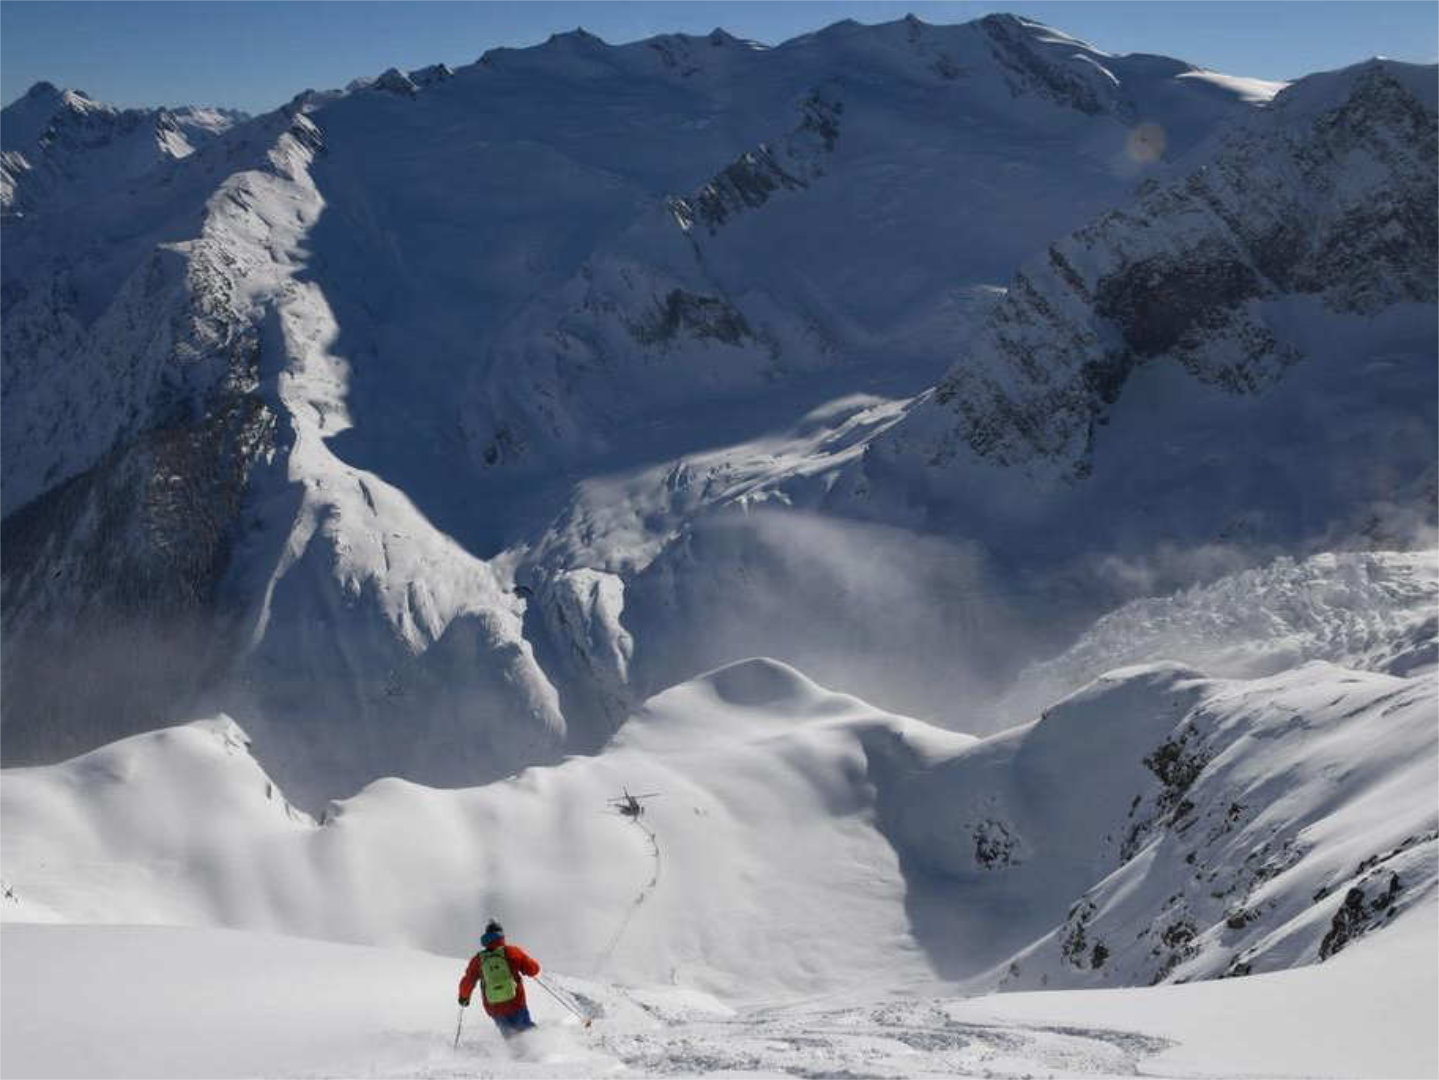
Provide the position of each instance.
(169, 1002)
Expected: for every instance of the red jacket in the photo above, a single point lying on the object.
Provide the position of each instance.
(521, 963)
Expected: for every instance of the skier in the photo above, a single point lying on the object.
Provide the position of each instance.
(498, 968)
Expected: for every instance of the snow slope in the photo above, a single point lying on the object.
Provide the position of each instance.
(104, 1001)
(1237, 825)
(141, 817)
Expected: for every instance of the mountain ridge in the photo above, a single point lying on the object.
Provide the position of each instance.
(402, 395)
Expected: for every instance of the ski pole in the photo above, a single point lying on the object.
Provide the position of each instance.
(459, 1023)
(550, 990)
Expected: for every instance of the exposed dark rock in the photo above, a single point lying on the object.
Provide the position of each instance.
(1075, 946)
(745, 183)
(506, 446)
(749, 181)
(1154, 318)
(1177, 765)
(697, 316)
(1348, 923)
(432, 75)
(1177, 937)
(994, 846)
(396, 82)
(118, 571)
(1178, 934)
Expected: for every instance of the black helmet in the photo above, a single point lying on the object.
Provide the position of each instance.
(493, 927)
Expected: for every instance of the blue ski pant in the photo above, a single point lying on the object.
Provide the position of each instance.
(514, 1023)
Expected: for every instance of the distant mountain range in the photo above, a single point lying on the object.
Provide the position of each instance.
(429, 426)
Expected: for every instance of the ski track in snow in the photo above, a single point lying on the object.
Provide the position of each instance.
(608, 952)
(885, 1039)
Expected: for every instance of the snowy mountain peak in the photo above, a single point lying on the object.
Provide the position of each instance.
(1368, 80)
(81, 102)
(396, 82)
(431, 75)
(579, 37)
(63, 145)
(1043, 34)
(1051, 64)
(27, 119)
(41, 90)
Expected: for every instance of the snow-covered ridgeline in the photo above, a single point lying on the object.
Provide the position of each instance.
(349, 590)
(826, 240)
(144, 428)
(804, 172)
(1241, 826)
(202, 499)
(1327, 192)
(63, 146)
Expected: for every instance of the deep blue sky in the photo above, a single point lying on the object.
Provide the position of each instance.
(255, 55)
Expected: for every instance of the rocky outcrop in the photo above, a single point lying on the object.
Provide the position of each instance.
(396, 81)
(697, 316)
(749, 181)
(432, 75)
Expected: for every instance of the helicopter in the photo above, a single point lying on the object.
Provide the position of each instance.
(629, 805)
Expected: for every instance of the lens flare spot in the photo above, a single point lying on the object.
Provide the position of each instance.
(1145, 144)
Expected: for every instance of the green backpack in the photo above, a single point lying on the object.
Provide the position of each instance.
(496, 977)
